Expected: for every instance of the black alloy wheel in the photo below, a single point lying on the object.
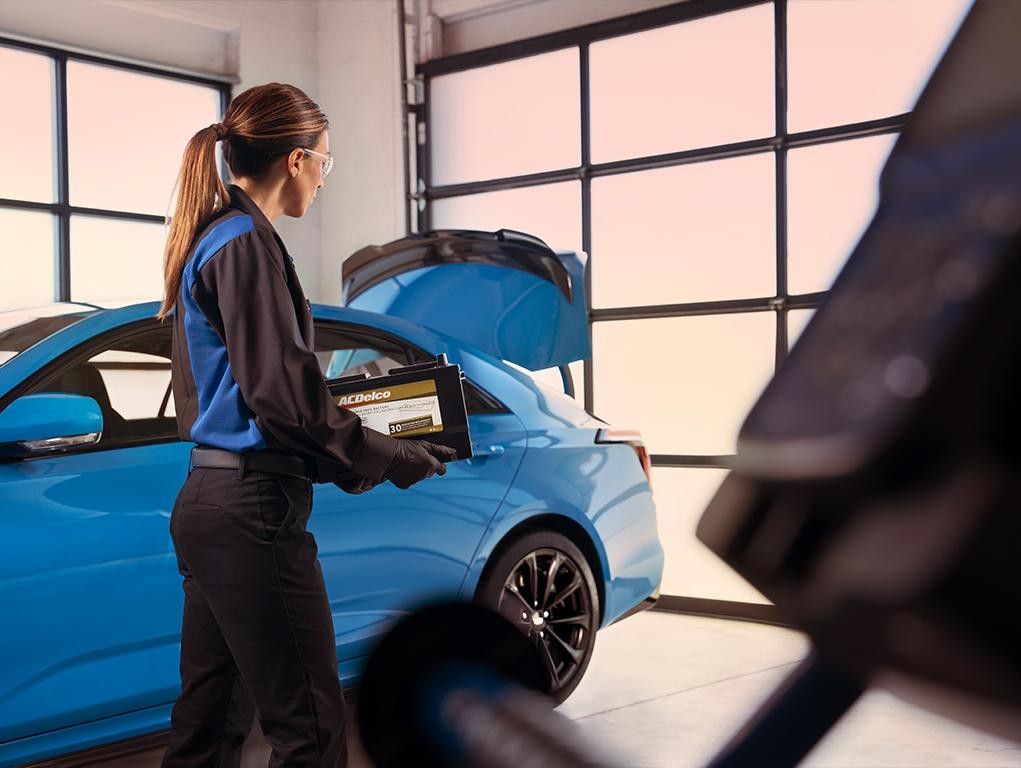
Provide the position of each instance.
(543, 585)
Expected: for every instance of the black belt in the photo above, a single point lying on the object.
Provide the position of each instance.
(258, 461)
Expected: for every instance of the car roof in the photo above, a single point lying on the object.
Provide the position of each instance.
(515, 388)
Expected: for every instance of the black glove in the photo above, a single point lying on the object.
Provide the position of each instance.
(416, 460)
(355, 485)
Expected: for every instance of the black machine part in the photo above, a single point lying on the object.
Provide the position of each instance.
(877, 483)
(457, 684)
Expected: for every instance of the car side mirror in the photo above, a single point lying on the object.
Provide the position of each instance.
(47, 422)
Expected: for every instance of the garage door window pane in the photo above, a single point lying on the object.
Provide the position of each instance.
(691, 568)
(507, 119)
(27, 254)
(797, 320)
(116, 260)
(832, 191)
(696, 84)
(855, 60)
(26, 141)
(551, 212)
(141, 129)
(687, 382)
(690, 233)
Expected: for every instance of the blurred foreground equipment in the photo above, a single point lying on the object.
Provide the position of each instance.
(458, 685)
(876, 495)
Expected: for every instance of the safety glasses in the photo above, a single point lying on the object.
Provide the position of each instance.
(327, 160)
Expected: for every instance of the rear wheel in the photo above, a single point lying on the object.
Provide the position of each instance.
(543, 585)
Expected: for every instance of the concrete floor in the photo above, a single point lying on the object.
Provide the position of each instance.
(666, 691)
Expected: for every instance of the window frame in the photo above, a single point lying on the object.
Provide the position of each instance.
(61, 208)
(581, 38)
(424, 193)
(82, 353)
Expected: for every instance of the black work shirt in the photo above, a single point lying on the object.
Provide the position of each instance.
(243, 370)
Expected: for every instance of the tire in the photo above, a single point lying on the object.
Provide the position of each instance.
(562, 618)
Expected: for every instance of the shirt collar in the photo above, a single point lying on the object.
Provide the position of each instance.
(239, 199)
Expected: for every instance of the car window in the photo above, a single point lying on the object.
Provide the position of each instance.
(346, 351)
(343, 352)
(348, 362)
(135, 381)
(20, 329)
(130, 380)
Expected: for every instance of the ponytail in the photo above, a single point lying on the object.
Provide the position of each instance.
(200, 194)
(261, 124)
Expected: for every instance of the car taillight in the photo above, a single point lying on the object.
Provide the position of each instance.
(633, 438)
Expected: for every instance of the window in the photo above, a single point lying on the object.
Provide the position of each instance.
(26, 143)
(346, 351)
(138, 383)
(89, 170)
(832, 192)
(28, 254)
(493, 121)
(724, 162)
(116, 260)
(700, 376)
(691, 568)
(130, 380)
(643, 104)
(685, 233)
(20, 329)
(855, 60)
(551, 212)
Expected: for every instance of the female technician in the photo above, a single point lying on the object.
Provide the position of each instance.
(257, 626)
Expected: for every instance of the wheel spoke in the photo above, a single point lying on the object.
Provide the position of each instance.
(514, 591)
(551, 574)
(569, 590)
(547, 656)
(581, 618)
(574, 653)
(534, 578)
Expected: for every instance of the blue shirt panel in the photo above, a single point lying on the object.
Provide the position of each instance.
(224, 418)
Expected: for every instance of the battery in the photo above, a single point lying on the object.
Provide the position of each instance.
(423, 401)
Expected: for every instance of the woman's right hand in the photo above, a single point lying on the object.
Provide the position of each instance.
(416, 460)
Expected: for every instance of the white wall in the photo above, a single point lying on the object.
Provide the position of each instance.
(362, 201)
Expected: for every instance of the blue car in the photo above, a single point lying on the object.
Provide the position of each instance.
(552, 521)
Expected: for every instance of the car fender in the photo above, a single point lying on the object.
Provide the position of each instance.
(510, 520)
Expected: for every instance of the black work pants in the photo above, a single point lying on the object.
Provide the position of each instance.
(257, 632)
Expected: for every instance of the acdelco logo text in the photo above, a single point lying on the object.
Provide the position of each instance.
(363, 397)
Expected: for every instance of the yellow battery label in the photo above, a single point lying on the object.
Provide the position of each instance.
(404, 410)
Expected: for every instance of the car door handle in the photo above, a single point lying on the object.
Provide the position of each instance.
(483, 452)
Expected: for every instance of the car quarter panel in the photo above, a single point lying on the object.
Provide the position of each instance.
(602, 489)
(385, 552)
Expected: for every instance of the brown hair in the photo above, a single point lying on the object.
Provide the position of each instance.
(260, 125)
